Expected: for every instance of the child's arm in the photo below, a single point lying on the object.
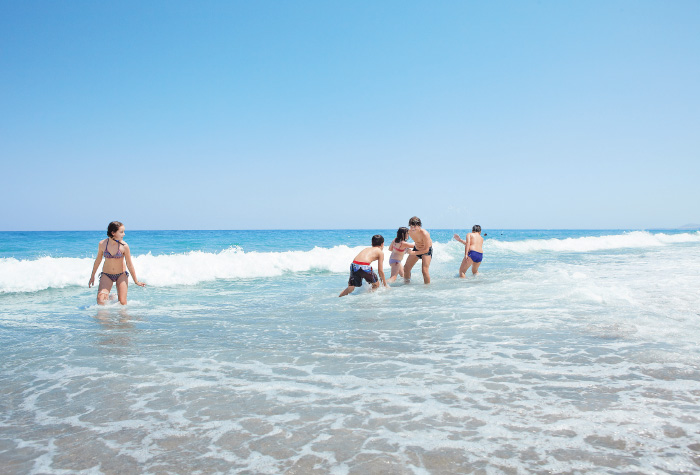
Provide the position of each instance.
(130, 265)
(98, 259)
(380, 268)
(457, 238)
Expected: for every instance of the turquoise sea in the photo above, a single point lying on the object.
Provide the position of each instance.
(572, 352)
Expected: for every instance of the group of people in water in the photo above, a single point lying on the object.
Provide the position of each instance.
(118, 259)
(421, 249)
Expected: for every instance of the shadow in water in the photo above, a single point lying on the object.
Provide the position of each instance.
(118, 329)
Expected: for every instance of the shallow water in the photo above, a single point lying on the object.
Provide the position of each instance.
(571, 352)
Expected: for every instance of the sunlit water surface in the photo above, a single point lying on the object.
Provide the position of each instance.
(571, 352)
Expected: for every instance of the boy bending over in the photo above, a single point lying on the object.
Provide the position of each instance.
(361, 268)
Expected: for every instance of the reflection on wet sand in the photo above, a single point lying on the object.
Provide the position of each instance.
(118, 329)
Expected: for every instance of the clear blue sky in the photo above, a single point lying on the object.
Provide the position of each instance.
(330, 114)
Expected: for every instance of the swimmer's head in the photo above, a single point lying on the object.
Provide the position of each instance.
(476, 228)
(401, 235)
(377, 240)
(414, 221)
(113, 227)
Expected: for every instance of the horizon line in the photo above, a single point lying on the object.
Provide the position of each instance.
(684, 227)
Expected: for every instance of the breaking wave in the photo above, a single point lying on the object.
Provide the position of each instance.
(634, 239)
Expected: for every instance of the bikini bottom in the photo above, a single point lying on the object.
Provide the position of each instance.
(114, 277)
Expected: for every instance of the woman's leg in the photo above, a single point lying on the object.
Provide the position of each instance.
(103, 289)
(122, 287)
(395, 270)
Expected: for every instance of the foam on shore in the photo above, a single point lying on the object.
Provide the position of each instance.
(194, 267)
(634, 239)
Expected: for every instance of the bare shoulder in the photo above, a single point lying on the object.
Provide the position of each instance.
(103, 243)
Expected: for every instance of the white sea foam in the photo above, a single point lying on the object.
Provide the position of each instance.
(190, 268)
(176, 269)
(560, 365)
(18, 275)
(634, 239)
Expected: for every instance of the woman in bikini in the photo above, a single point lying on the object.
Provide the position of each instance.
(115, 252)
(398, 247)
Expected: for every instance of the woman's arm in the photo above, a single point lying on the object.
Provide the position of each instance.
(130, 266)
(98, 259)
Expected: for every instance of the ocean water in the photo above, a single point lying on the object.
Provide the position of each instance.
(571, 352)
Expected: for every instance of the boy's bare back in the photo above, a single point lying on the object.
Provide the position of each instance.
(360, 269)
(475, 242)
(371, 254)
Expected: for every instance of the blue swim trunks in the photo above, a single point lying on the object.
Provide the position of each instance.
(475, 256)
(359, 271)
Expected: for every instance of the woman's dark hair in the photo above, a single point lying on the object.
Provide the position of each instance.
(113, 227)
(476, 228)
(377, 240)
(401, 235)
